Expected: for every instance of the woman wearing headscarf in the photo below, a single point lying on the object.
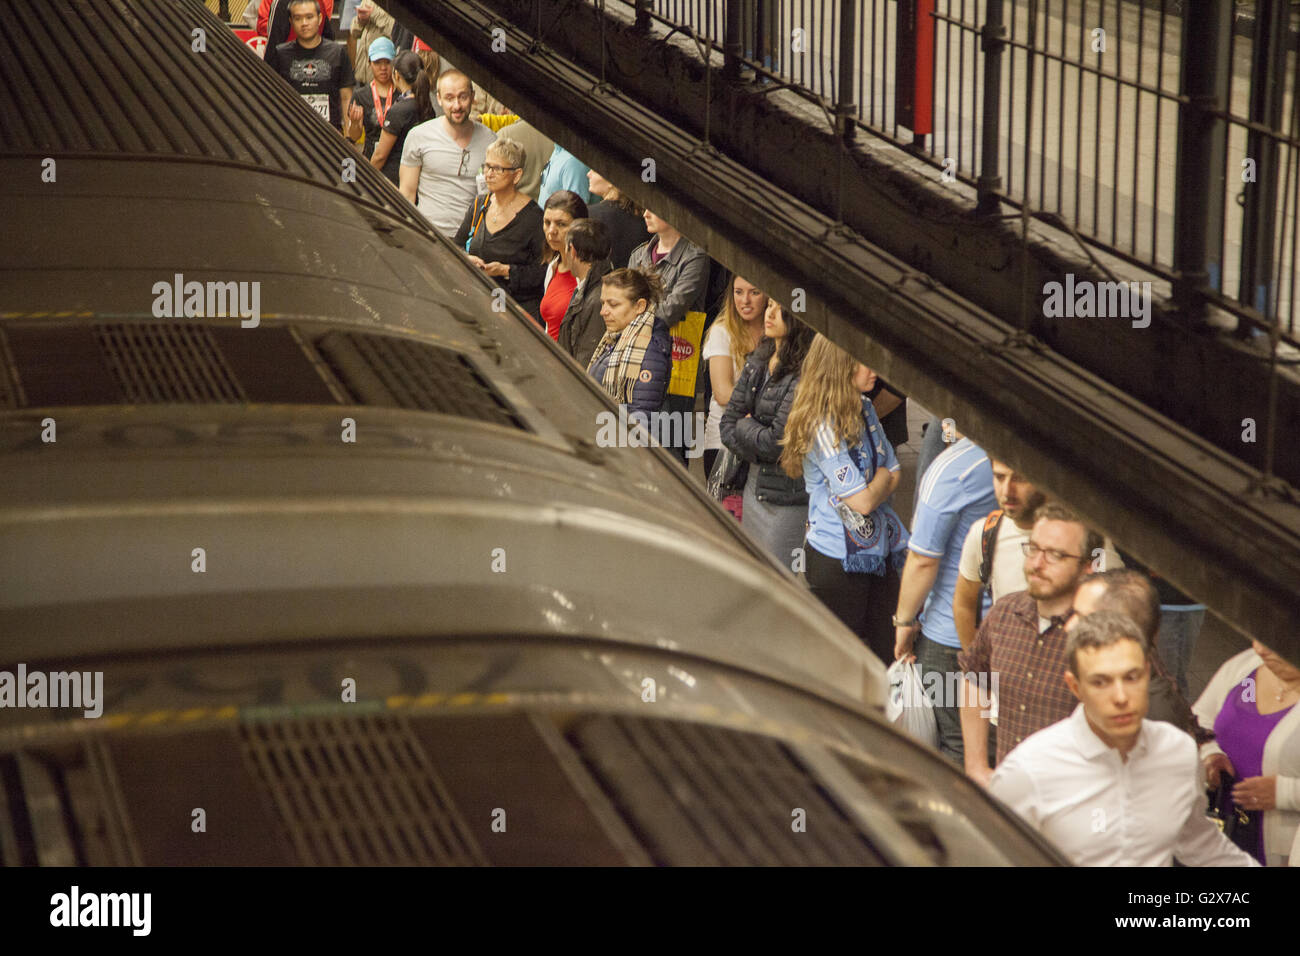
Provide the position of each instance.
(856, 545)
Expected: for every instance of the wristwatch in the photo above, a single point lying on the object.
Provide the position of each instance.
(898, 623)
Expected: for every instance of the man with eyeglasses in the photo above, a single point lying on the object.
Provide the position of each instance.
(442, 157)
(1020, 647)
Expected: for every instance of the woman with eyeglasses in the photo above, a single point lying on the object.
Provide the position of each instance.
(856, 544)
(503, 230)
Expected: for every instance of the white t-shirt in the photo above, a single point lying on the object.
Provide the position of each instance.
(1008, 558)
(448, 177)
(718, 342)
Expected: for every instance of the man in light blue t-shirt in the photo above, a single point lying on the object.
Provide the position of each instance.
(564, 171)
(955, 492)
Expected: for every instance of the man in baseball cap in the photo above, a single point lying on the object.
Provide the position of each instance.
(372, 101)
(372, 23)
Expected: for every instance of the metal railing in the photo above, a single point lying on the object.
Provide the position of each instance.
(1075, 112)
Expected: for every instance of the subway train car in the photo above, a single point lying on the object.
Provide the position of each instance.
(309, 555)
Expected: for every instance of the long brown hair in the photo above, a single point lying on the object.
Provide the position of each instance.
(735, 325)
(825, 395)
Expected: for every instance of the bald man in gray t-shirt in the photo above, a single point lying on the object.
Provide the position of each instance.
(441, 158)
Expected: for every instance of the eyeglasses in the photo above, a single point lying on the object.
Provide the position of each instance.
(464, 163)
(492, 168)
(1052, 555)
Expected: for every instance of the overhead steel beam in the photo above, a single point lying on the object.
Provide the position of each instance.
(1176, 501)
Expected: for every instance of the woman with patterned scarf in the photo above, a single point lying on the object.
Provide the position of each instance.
(635, 358)
(856, 544)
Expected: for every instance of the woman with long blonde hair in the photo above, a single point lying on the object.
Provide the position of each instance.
(856, 545)
(734, 334)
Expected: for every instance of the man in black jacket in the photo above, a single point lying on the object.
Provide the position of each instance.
(586, 254)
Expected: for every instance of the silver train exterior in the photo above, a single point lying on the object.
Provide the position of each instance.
(365, 541)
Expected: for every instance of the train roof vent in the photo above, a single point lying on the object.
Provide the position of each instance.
(382, 370)
(170, 363)
(697, 794)
(160, 362)
(358, 791)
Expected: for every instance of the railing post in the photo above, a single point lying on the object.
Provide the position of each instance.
(643, 8)
(1259, 216)
(993, 39)
(844, 105)
(733, 46)
(1202, 145)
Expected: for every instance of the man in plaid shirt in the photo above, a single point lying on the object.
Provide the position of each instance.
(1022, 641)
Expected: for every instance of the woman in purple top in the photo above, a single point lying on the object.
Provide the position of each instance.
(1251, 705)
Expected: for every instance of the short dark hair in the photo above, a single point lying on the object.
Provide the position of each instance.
(297, 3)
(1054, 511)
(590, 240)
(1132, 594)
(1102, 629)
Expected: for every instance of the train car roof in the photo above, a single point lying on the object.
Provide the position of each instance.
(476, 497)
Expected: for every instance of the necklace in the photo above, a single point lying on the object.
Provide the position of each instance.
(497, 213)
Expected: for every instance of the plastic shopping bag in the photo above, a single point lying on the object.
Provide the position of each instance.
(909, 706)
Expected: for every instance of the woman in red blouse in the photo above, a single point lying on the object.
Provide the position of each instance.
(562, 209)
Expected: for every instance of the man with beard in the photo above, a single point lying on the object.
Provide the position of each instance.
(1019, 650)
(318, 69)
(442, 157)
(1004, 571)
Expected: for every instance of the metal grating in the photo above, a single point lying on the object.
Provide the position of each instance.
(156, 363)
(384, 370)
(698, 794)
(358, 791)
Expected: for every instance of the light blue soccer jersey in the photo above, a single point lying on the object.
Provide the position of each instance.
(956, 491)
(827, 469)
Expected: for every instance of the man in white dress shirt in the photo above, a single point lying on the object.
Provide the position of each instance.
(1106, 786)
